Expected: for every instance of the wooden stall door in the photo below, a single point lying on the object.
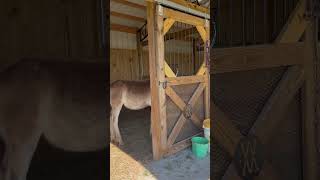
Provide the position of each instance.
(181, 103)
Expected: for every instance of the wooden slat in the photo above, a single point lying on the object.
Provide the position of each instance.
(202, 33)
(295, 26)
(181, 121)
(256, 57)
(181, 145)
(122, 28)
(174, 81)
(127, 16)
(183, 17)
(130, 4)
(167, 25)
(168, 71)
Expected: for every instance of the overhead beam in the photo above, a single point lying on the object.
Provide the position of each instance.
(127, 16)
(183, 17)
(122, 28)
(295, 26)
(256, 57)
(187, 4)
(130, 4)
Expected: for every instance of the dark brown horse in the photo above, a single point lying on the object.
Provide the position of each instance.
(64, 102)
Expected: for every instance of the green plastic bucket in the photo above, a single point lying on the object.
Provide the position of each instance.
(200, 146)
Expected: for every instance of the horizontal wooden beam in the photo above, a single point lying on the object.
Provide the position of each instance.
(188, 5)
(130, 4)
(127, 16)
(255, 57)
(183, 17)
(122, 28)
(174, 81)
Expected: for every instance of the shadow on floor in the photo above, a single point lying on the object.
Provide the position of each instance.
(50, 163)
(134, 127)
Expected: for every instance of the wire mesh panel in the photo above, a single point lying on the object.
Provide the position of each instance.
(184, 49)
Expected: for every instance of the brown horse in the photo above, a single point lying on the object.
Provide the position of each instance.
(134, 95)
(64, 102)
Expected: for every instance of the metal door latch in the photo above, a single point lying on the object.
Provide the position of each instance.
(188, 111)
(164, 84)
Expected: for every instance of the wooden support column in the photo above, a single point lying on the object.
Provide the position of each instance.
(308, 126)
(207, 73)
(156, 67)
(161, 76)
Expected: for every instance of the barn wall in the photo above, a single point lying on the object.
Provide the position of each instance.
(38, 28)
(124, 64)
(249, 22)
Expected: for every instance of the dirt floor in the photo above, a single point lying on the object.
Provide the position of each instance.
(133, 161)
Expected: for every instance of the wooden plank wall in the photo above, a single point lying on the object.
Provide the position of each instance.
(250, 22)
(124, 64)
(63, 28)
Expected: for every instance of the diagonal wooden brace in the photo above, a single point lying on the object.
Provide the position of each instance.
(181, 104)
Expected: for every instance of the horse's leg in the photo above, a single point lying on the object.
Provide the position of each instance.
(151, 128)
(17, 158)
(112, 133)
(116, 114)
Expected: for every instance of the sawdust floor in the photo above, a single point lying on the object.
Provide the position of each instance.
(133, 160)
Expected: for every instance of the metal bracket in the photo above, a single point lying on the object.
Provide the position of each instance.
(164, 84)
(188, 111)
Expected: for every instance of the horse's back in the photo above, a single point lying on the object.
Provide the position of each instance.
(63, 101)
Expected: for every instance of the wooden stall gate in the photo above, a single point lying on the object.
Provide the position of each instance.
(179, 104)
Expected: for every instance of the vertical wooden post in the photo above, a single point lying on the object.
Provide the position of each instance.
(139, 55)
(161, 76)
(308, 141)
(156, 58)
(207, 73)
